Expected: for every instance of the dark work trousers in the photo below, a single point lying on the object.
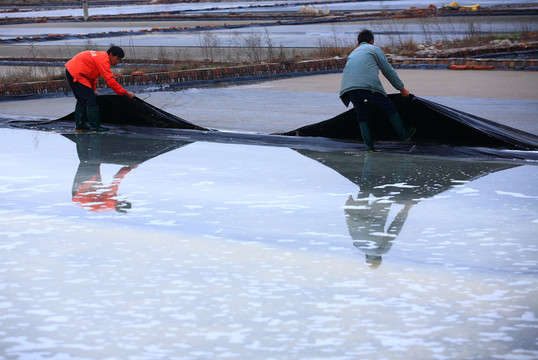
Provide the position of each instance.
(358, 98)
(85, 96)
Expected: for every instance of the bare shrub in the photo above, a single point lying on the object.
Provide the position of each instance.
(19, 74)
(209, 43)
(270, 45)
(180, 56)
(163, 58)
(90, 45)
(282, 54)
(426, 30)
(235, 51)
(473, 29)
(409, 47)
(334, 44)
(35, 54)
(397, 37)
(253, 46)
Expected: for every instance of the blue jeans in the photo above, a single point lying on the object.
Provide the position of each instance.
(358, 98)
(85, 96)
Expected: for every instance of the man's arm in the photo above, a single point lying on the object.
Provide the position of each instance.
(389, 72)
(104, 68)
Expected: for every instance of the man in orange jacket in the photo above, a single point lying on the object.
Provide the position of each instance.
(82, 72)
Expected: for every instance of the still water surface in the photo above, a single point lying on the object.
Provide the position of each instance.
(143, 248)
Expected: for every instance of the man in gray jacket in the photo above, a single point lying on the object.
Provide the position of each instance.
(360, 83)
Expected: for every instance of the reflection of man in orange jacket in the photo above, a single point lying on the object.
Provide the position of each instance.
(82, 72)
(90, 193)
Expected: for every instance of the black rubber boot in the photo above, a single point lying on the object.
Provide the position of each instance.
(397, 124)
(80, 118)
(93, 118)
(367, 136)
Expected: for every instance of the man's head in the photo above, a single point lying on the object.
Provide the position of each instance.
(115, 53)
(365, 36)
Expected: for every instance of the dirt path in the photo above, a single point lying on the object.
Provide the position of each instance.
(451, 83)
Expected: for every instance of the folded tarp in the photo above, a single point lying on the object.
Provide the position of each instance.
(435, 124)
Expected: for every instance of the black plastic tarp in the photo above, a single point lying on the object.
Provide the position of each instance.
(120, 110)
(441, 131)
(435, 124)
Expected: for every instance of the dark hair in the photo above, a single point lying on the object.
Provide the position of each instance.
(116, 51)
(365, 36)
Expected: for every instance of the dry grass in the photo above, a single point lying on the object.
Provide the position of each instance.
(23, 74)
(474, 41)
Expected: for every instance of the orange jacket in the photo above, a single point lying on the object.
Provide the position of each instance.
(87, 66)
(94, 196)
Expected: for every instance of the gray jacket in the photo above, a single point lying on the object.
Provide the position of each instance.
(362, 71)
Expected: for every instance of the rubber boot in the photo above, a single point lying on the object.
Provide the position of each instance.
(367, 136)
(80, 118)
(93, 118)
(397, 124)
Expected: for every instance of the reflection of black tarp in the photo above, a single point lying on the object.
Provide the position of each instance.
(120, 110)
(435, 123)
(423, 177)
(121, 149)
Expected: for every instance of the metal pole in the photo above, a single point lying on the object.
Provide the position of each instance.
(85, 6)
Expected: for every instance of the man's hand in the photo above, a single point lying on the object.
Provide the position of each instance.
(130, 95)
(404, 92)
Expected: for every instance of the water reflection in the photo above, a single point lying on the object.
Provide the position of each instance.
(389, 187)
(227, 245)
(367, 215)
(93, 150)
(90, 192)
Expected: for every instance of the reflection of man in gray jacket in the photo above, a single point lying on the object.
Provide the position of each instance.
(360, 83)
(367, 223)
(369, 217)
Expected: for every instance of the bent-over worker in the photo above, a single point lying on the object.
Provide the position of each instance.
(82, 72)
(360, 83)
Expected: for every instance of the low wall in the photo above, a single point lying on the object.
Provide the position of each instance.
(185, 76)
(200, 76)
(444, 63)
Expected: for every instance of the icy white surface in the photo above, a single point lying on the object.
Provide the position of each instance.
(243, 251)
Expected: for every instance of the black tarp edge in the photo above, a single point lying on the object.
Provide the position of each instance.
(308, 143)
(503, 132)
